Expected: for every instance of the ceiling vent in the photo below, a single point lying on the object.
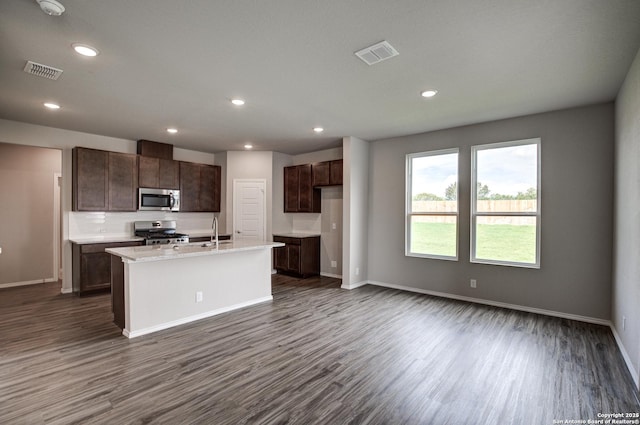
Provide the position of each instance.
(377, 53)
(42, 70)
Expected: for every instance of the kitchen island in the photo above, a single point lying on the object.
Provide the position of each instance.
(158, 287)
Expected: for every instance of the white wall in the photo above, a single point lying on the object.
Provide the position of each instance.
(356, 213)
(249, 165)
(36, 135)
(27, 217)
(626, 266)
(576, 241)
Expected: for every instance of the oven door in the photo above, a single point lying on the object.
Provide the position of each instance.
(158, 199)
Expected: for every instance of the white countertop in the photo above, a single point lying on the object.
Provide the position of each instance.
(164, 252)
(104, 239)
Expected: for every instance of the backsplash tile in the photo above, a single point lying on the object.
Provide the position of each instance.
(90, 224)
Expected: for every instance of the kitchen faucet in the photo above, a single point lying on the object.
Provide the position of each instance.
(214, 230)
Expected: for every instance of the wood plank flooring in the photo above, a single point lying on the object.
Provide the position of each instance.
(316, 355)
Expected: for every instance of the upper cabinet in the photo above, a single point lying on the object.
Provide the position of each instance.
(158, 173)
(200, 187)
(299, 193)
(104, 181)
(327, 173)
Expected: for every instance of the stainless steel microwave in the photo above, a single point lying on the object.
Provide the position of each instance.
(158, 199)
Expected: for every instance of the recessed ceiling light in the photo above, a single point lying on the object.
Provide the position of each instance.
(51, 105)
(172, 130)
(85, 50)
(429, 93)
(248, 146)
(237, 102)
(318, 129)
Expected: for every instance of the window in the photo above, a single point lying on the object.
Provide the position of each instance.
(505, 203)
(432, 205)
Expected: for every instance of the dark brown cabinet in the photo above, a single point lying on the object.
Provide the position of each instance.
(299, 193)
(91, 266)
(104, 181)
(158, 173)
(299, 257)
(90, 180)
(123, 182)
(327, 173)
(200, 187)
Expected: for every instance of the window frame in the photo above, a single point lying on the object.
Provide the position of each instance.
(474, 206)
(408, 204)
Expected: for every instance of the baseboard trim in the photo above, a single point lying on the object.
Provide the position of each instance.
(354, 285)
(552, 313)
(335, 276)
(185, 320)
(627, 359)
(66, 290)
(27, 282)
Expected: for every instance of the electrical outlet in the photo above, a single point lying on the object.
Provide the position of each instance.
(357, 271)
(473, 283)
(334, 264)
(333, 226)
(103, 230)
(199, 297)
(624, 323)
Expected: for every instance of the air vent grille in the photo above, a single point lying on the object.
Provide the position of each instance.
(42, 70)
(377, 53)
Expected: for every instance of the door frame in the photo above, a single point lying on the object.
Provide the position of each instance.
(263, 183)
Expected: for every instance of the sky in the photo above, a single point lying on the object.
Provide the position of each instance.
(506, 170)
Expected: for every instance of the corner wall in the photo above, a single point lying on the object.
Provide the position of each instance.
(356, 212)
(576, 229)
(626, 259)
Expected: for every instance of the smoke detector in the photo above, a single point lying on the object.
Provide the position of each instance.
(51, 7)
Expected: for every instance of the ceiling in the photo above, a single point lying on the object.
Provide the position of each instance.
(167, 63)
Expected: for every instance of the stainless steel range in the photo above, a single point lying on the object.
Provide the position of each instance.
(159, 232)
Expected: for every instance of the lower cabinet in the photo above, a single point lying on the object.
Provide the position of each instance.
(92, 266)
(299, 257)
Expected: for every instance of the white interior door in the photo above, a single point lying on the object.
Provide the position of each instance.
(249, 209)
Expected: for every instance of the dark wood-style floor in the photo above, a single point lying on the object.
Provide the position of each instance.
(316, 355)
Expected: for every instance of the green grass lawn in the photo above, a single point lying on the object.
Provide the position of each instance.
(503, 242)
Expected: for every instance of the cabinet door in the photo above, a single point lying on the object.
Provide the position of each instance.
(291, 188)
(305, 192)
(90, 180)
(335, 172)
(169, 174)
(123, 181)
(321, 173)
(148, 172)
(189, 186)
(207, 182)
(293, 258)
(217, 187)
(280, 258)
(95, 271)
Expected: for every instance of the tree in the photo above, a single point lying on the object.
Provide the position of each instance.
(483, 191)
(451, 192)
(424, 196)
